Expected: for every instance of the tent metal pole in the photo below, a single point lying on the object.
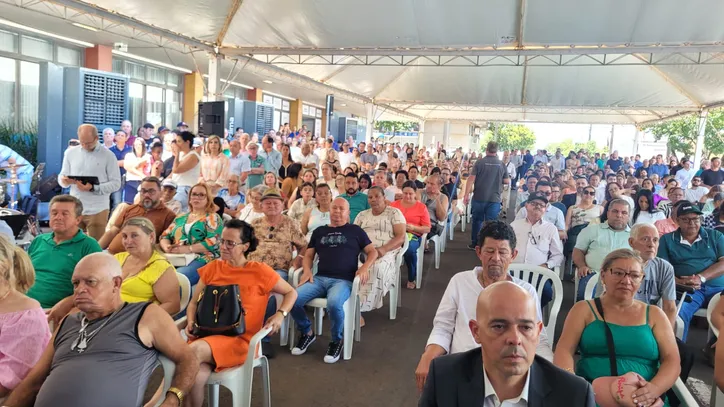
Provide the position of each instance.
(701, 125)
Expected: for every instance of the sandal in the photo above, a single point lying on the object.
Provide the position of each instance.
(411, 285)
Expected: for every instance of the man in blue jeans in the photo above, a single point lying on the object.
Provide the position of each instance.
(338, 247)
(488, 176)
(697, 255)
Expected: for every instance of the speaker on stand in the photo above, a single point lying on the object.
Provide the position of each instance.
(211, 118)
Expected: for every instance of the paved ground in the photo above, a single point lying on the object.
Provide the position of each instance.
(381, 371)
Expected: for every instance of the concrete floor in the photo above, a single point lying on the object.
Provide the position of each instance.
(381, 371)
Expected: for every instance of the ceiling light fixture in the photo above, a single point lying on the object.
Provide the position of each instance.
(45, 33)
(85, 27)
(343, 104)
(267, 81)
(241, 85)
(151, 61)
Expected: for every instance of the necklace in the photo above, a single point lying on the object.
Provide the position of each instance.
(5, 295)
(81, 342)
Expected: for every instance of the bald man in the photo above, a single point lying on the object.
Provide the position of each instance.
(91, 160)
(505, 369)
(105, 354)
(338, 247)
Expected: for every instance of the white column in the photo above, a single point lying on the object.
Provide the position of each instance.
(700, 138)
(370, 113)
(421, 134)
(214, 86)
(446, 135)
(637, 141)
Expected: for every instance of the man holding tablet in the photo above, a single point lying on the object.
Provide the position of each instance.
(91, 160)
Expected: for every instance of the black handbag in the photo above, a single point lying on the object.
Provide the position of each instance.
(219, 312)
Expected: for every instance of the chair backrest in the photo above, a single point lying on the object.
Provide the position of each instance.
(401, 254)
(710, 310)
(538, 276)
(186, 293)
(589, 291)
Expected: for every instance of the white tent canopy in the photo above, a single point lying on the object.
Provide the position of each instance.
(601, 61)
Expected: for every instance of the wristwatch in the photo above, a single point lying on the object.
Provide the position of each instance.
(284, 313)
(702, 278)
(178, 393)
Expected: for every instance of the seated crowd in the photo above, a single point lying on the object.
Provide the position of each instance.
(303, 236)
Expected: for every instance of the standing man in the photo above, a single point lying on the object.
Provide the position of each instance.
(272, 157)
(558, 162)
(614, 162)
(127, 128)
(714, 175)
(488, 176)
(506, 325)
(91, 160)
(308, 159)
(239, 163)
(685, 174)
(120, 149)
(659, 168)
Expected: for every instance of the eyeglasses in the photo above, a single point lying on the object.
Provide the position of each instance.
(271, 229)
(689, 221)
(544, 193)
(537, 205)
(620, 275)
(591, 193)
(230, 243)
(197, 195)
(148, 191)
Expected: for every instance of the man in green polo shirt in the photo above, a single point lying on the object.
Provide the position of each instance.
(54, 255)
(596, 241)
(697, 255)
(357, 200)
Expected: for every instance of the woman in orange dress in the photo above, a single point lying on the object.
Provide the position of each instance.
(256, 282)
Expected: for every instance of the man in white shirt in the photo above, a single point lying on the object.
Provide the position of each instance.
(308, 160)
(381, 181)
(538, 240)
(697, 191)
(551, 214)
(558, 162)
(600, 187)
(239, 163)
(685, 174)
(346, 157)
(450, 332)
(295, 150)
(91, 160)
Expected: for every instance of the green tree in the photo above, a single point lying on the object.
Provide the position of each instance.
(568, 145)
(391, 126)
(510, 136)
(682, 132)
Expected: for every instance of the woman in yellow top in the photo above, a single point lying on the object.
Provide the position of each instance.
(147, 275)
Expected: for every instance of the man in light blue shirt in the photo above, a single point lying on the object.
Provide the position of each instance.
(596, 241)
(239, 163)
(272, 157)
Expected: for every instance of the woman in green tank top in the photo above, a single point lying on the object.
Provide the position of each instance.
(643, 338)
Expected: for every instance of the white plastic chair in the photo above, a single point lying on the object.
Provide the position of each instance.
(589, 291)
(701, 312)
(396, 289)
(531, 273)
(439, 241)
(684, 395)
(352, 316)
(237, 379)
(716, 394)
(186, 292)
(420, 260)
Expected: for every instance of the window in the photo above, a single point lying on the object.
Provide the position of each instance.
(154, 106)
(155, 75)
(135, 71)
(8, 41)
(281, 109)
(135, 97)
(37, 48)
(173, 79)
(29, 91)
(68, 56)
(173, 107)
(117, 66)
(7, 91)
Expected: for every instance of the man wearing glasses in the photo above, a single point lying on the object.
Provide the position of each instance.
(552, 214)
(539, 243)
(150, 206)
(697, 255)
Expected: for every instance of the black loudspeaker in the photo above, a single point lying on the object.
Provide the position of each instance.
(211, 119)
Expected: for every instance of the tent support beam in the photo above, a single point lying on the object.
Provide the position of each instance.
(235, 4)
(523, 100)
(392, 81)
(335, 73)
(675, 84)
(701, 125)
(521, 24)
(132, 22)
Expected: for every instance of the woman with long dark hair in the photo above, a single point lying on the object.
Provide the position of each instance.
(644, 209)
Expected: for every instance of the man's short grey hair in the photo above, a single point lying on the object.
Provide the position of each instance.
(620, 201)
(639, 227)
(259, 189)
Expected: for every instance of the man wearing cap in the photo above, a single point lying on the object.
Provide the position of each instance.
(596, 241)
(278, 235)
(168, 191)
(539, 243)
(182, 126)
(697, 254)
(151, 207)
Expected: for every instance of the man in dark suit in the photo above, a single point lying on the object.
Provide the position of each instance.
(504, 368)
